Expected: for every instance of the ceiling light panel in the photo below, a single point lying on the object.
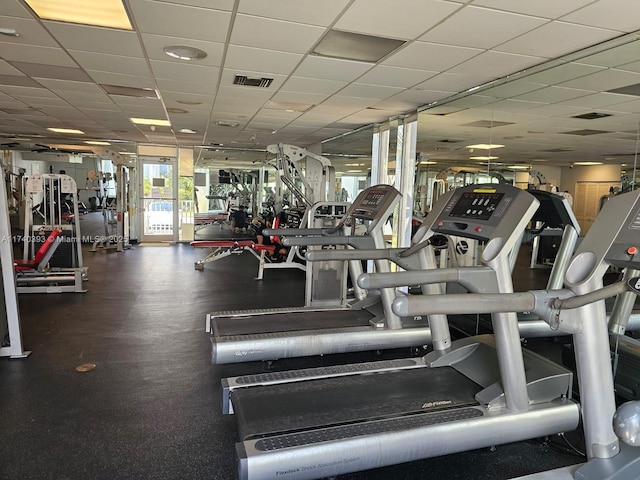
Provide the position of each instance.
(106, 13)
(355, 46)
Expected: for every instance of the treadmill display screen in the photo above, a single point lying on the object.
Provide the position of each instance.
(373, 198)
(479, 206)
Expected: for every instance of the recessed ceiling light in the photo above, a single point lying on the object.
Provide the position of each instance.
(151, 121)
(126, 153)
(183, 52)
(483, 158)
(105, 13)
(356, 46)
(66, 130)
(587, 163)
(187, 130)
(485, 146)
(428, 162)
(95, 142)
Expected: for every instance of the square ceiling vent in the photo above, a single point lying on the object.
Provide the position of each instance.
(252, 81)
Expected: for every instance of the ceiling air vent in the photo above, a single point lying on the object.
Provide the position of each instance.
(252, 81)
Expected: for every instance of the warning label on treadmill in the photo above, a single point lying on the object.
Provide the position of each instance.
(634, 284)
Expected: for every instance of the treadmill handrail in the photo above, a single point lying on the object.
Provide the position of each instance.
(548, 304)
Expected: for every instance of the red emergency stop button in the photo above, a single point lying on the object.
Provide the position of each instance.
(478, 229)
(632, 250)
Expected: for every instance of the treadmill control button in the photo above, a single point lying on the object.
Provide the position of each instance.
(632, 250)
(478, 229)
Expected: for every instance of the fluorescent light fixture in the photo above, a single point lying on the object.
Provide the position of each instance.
(354, 171)
(150, 121)
(95, 142)
(183, 52)
(126, 153)
(518, 167)
(187, 130)
(587, 163)
(428, 162)
(483, 158)
(485, 146)
(105, 13)
(66, 130)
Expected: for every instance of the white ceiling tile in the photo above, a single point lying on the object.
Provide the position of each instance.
(104, 62)
(110, 78)
(35, 54)
(271, 34)
(420, 97)
(26, 91)
(619, 15)
(310, 12)
(562, 73)
(259, 60)
(614, 57)
(510, 105)
(155, 44)
(186, 86)
(476, 27)
(541, 8)
(597, 100)
(555, 39)
(604, 80)
(347, 102)
(299, 97)
(395, 76)
(631, 67)
(553, 94)
(38, 102)
(316, 85)
(242, 94)
(493, 65)
(431, 56)
(14, 8)
(558, 110)
(178, 71)
(377, 92)
(452, 82)
(96, 39)
(8, 69)
(215, 4)
(407, 19)
(185, 21)
(331, 69)
(30, 32)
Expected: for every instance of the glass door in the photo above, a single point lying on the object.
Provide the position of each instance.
(159, 205)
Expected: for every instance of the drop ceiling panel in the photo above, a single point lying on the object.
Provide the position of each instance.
(411, 18)
(121, 79)
(609, 14)
(186, 87)
(598, 100)
(95, 39)
(604, 80)
(541, 8)
(555, 39)
(13, 8)
(558, 110)
(298, 97)
(495, 64)
(511, 105)
(476, 27)
(173, 71)
(185, 21)
(331, 69)
(35, 54)
(259, 60)
(39, 102)
(553, 94)
(251, 31)
(25, 91)
(562, 73)
(417, 97)
(377, 92)
(614, 57)
(451, 81)
(7, 69)
(19, 81)
(30, 31)
(216, 4)
(104, 62)
(316, 85)
(430, 56)
(389, 76)
(301, 11)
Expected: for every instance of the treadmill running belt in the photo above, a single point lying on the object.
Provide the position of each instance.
(292, 407)
(287, 322)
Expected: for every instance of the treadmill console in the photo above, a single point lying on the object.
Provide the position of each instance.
(479, 211)
(373, 202)
(625, 247)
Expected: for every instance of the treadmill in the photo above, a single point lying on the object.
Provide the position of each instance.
(270, 334)
(485, 390)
